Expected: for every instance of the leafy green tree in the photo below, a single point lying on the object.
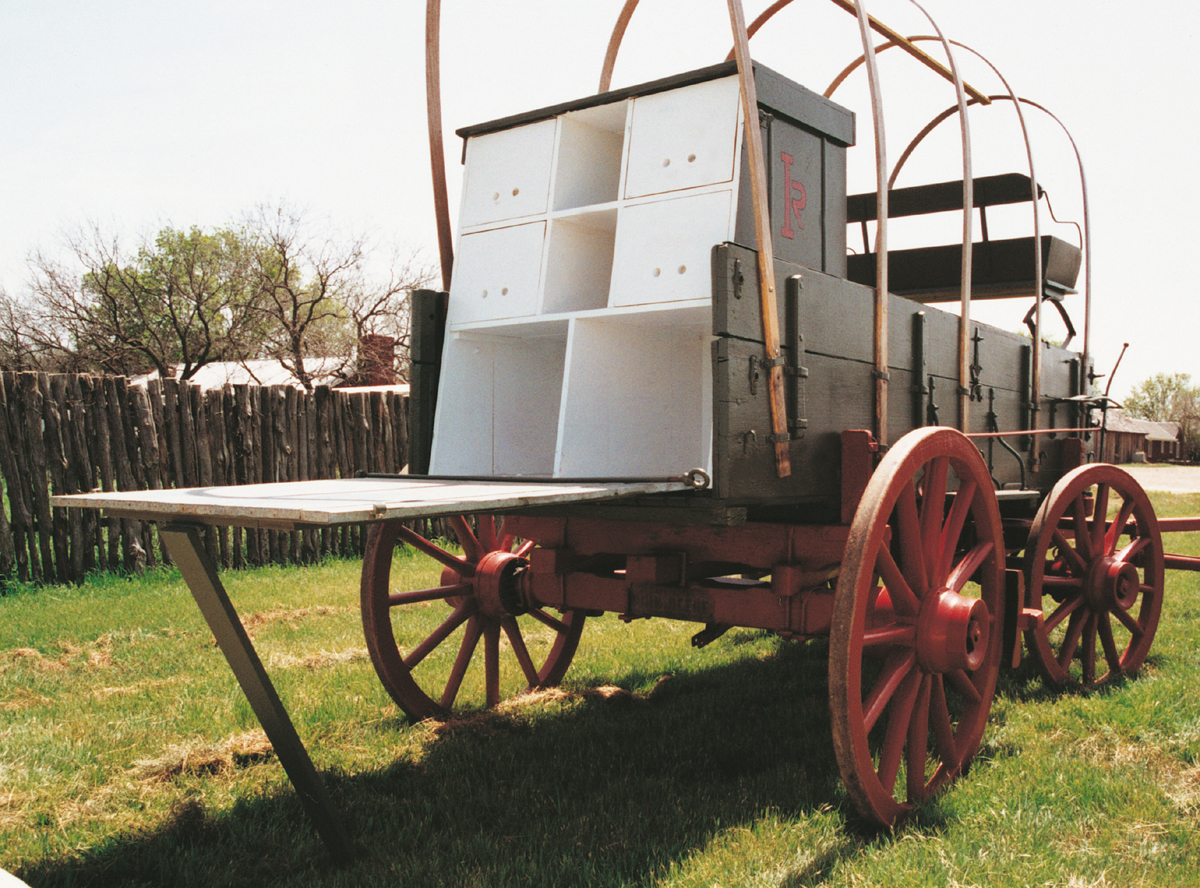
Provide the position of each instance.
(176, 303)
(1169, 397)
(272, 286)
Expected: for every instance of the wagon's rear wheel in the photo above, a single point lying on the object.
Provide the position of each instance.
(1098, 581)
(914, 649)
(480, 597)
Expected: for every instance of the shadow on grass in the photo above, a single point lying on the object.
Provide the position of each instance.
(582, 789)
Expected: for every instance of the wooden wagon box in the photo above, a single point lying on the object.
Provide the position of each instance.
(604, 322)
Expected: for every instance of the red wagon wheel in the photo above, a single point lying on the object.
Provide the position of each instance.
(914, 649)
(481, 588)
(1100, 593)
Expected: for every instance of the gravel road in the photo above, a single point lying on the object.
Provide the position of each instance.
(1171, 479)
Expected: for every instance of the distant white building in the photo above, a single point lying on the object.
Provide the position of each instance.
(323, 371)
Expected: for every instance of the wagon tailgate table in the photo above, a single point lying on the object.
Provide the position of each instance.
(300, 504)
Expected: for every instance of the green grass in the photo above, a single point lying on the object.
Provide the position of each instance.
(129, 757)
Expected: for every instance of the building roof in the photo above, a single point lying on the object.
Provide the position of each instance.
(323, 371)
(1153, 431)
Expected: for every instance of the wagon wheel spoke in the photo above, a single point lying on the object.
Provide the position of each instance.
(898, 668)
(491, 662)
(1070, 644)
(1106, 579)
(487, 533)
(918, 742)
(1099, 518)
(472, 548)
(437, 553)
(1127, 620)
(1088, 652)
(903, 598)
(1063, 611)
(513, 631)
(908, 534)
(399, 599)
(955, 522)
(427, 671)
(465, 651)
(933, 510)
(897, 730)
(1117, 529)
(943, 730)
(965, 569)
(546, 620)
(1077, 565)
(1083, 536)
(461, 614)
(927, 528)
(1111, 655)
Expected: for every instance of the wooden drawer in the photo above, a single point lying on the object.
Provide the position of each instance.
(497, 274)
(662, 248)
(683, 139)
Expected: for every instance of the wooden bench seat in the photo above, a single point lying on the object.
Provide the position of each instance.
(1000, 269)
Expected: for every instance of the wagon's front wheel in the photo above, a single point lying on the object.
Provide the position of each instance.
(477, 599)
(1098, 582)
(914, 649)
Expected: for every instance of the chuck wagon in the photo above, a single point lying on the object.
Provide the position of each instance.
(688, 397)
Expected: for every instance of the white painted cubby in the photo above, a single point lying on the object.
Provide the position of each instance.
(579, 327)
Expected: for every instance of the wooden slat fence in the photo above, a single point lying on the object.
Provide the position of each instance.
(73, 434)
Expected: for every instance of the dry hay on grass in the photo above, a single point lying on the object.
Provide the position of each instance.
(497, 718)
(319, 660)
(237, 751)
(24, 698)
(1179, 782)
(291, 616)
(92, 655)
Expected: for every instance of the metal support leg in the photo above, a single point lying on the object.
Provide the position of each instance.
(187, 550)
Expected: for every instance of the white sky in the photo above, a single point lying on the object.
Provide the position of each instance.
(140, 113)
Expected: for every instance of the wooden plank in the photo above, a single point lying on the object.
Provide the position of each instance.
(107, 541)
(187, 436)
(172, 428)
(31, 409)
(131, 530)
(11, 464)
(8, 551)
(204, 466)
(214, 410)
(353, 500)
(85, 472)
(53, 399)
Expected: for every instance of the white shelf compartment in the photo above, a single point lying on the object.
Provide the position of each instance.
(590, 145)
(499, 397)
(579, 260)
(637, 399)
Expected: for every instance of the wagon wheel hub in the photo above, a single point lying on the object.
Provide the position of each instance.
(1112, 585)
(496, 586)
(952, 632)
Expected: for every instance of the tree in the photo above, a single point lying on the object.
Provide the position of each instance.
(177, 303)
(1169, 397)
(316, 297)
(270, 287)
